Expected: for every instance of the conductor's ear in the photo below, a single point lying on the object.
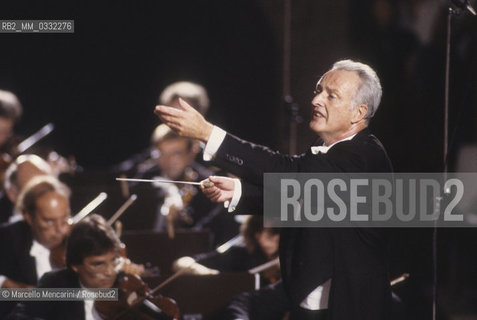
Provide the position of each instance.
(359, 113)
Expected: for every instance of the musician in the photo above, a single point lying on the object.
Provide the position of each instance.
(92, 258)
(93, 262)
(259, 245)
(328, 273)
(182, 204)
(25, 245)
(18, 173)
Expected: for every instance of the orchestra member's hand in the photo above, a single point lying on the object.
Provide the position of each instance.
(130, 267)
(218, 189)
(188, 265)
(185, 120)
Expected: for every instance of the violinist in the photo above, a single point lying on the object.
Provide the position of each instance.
(25, 245)
(259, 246)
(93, 261)
(182, 204)
(92, 255)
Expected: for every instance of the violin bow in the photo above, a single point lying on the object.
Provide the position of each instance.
(264, 266)
(399, 279)
(121, 210)
(34, 138)
(88, 208)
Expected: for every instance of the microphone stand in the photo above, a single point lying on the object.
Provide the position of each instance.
(451, 12)
(463, 5)
(291, 107)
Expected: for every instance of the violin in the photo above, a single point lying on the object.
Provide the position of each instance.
(272, 274)
(137, 301)
(178, 216)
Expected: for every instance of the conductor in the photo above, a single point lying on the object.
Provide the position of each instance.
(328, 273)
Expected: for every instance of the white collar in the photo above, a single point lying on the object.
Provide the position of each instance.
(37, 249)
(324, 149)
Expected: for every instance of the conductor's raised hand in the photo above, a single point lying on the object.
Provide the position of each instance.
(185, 120)
(218, 189)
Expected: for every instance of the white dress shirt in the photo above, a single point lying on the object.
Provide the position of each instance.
(42, 258)
(90, 312)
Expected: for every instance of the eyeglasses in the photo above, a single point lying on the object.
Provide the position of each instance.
(103, 266)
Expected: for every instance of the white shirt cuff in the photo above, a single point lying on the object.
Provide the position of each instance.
(232, 204)
(2, 280)
(318, 298)
(215, 140)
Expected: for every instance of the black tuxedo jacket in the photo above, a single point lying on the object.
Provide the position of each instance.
(15, 261)
(355, 258)
(15, 243)
(52, 310)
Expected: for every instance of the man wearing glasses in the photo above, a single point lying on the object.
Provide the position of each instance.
(25, 245)
(92, 258)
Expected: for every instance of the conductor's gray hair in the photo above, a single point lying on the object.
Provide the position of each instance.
(369, 91)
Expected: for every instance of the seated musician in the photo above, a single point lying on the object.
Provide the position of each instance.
(92, 255)
(93, 261)
(18, 173)
(25, 245)
(259, 246)
(182, 205)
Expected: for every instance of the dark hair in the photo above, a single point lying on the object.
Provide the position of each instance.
(90, 237)
(251, 226)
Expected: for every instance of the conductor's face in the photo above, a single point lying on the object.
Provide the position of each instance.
(332, 117)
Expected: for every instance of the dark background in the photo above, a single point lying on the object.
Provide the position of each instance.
(99, 87)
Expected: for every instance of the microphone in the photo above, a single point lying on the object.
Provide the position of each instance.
(464, 5)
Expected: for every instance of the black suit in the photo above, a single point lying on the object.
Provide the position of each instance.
(53, 310)
(355, 258)
(15, 261)
(6, 207)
